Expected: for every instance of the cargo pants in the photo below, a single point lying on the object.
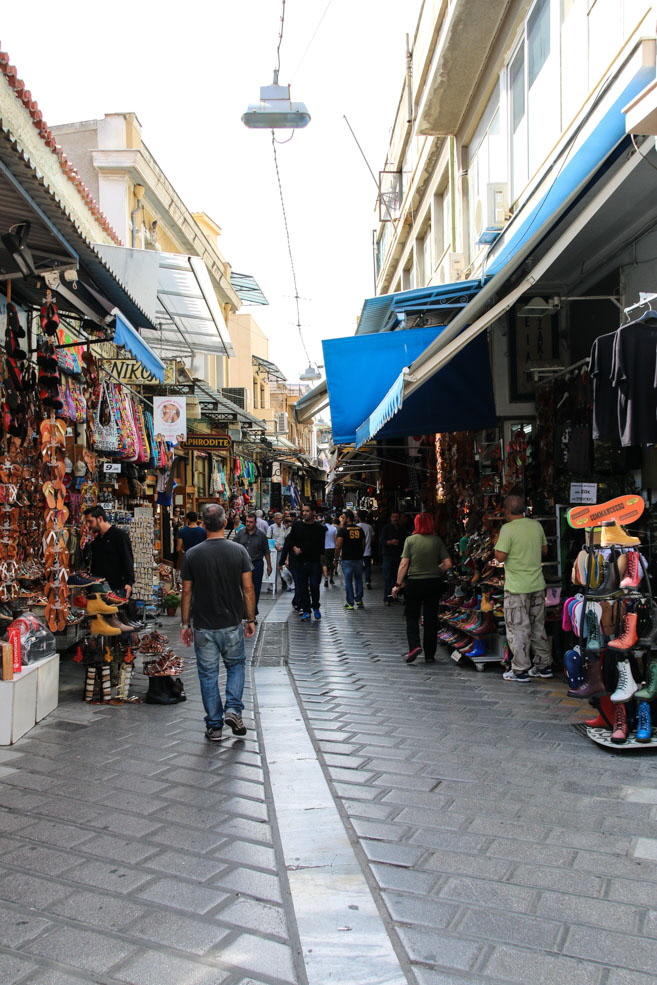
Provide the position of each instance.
(524, 616)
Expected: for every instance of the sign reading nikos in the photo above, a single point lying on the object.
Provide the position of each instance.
(207, 442)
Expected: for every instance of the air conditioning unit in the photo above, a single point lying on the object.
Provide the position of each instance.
(282, 423)
(490, 216)
(451, 268)
(237, 394)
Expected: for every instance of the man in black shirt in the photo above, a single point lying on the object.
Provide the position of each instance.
(391, 539)
(305, 548)
(349, 548)
(111, 552)
(217, 593)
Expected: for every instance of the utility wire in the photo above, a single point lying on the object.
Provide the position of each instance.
(319, 24)
(278, 49)
(289, 245)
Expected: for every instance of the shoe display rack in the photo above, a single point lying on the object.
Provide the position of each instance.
(615, 617)
(470, 626)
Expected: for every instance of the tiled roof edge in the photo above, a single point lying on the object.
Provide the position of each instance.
(25, 96)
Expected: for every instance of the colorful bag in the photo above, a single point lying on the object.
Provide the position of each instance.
(106, 432)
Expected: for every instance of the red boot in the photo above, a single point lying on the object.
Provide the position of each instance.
(605, 718)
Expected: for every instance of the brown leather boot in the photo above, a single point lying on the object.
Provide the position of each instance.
(593, 686)
(96, 605)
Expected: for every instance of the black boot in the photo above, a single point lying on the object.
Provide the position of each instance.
(159, 692)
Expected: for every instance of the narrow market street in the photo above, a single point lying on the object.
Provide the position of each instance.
(380, 823)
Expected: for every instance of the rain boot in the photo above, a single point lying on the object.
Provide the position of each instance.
(633, 572)
(628, 638)
(593, 686)
(649, 690)
(627, 686)
(620, 731)
(606, 716)
(644, 723)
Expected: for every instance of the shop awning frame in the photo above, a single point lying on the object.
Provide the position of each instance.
(128, 337)
(387, 312)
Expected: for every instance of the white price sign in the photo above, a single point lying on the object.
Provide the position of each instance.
(111, 467)
(584, 492)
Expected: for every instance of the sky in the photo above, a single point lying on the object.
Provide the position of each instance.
(189, 70)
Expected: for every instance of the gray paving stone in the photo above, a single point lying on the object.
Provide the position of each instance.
(44, 860)
(79, 948)
(429, 947)
(613, 949)
(251, 914)
(260, 956)
(568, 881)
(408, 880)
(392, 853)
(246, 853)
(122, 850)
(200, 868)
(32, 891)
(490, 893)
(193, 839)
(597, 913)
(107, 875)
(426, 976)
(518, 965)
(13, 968)
(457, 840)
(17, 927)
(65, 808)
(98, 910)
(621, 976)
(182, 895)
(162, 968)
(413, 909)
(51, 976)
(379, 830)
(511, 929)
(124, 824)
(357, 790)
(460, 863)
(245, 808)
(176, 930)
(249, 882)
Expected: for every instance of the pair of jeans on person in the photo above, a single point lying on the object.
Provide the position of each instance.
(353, 580)
(309, 574)
(422, 594)
(212, 645)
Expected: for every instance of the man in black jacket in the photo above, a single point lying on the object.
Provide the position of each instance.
(305, 547)
(111, 552)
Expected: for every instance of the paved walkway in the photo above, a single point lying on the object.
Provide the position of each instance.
(380, 824)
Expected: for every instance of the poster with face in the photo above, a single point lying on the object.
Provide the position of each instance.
(170, 418)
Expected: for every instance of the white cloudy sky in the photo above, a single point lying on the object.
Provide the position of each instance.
(189, 70)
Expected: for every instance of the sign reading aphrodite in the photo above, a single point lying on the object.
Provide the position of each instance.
(170, 418)
(208, 442)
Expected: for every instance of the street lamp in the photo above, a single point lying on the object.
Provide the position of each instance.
(276, 111)
(311, 373)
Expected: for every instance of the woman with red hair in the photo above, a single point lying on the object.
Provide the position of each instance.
(423, 563)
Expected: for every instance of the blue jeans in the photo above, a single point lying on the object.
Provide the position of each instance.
(353, 580)
(210, 645)
(310, 577)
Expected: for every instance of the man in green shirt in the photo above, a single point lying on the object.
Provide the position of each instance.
(521, 546)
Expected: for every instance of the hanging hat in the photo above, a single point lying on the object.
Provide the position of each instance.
(68, 464)
(80, 469)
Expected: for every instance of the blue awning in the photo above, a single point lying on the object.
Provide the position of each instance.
(384, 313)
(128, 337)
(365, 377)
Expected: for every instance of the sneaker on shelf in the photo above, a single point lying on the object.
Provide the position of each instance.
(115, 598)
(79, 601)
(520, 677)
(348, 606)
(317, 614)
(545, 673)
(213, 734)
(412, 654)
(84, 581)
(233, 720)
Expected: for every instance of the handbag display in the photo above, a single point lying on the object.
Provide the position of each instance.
(106, 431)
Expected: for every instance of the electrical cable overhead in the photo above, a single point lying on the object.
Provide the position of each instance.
(289, 245)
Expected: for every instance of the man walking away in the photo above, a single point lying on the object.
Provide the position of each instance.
(191, 534)
(392, 539)
(521, 545)
(257, 545)
(217, 591)
(349, 547)
(328, 557)
(368, 530)
(305, 547)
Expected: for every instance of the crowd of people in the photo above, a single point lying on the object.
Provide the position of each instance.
(223, 561)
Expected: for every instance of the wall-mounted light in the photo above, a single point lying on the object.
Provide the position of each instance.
(15, 242)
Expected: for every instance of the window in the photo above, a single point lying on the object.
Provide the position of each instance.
(538, 39)
(488, 167)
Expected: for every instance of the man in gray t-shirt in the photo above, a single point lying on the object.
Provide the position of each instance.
(217, 594)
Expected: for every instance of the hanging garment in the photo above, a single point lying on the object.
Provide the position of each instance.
(634, 374)
(605, 395)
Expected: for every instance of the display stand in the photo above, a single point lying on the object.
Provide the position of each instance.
(28, 697)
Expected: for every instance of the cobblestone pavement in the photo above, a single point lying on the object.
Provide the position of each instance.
(499, 845)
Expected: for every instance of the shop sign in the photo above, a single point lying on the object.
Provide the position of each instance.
(111, 467)
(276, 472)
(206, 442)
(131, 372)
(584, 492)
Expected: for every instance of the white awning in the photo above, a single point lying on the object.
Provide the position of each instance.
(176, 293)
